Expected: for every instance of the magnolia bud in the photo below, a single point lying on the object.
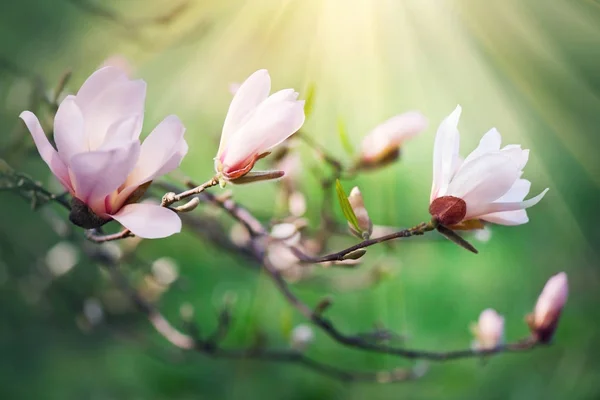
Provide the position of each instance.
(448, 210)
(302, 336)
(544, 319)
(489, 330)
(362, 216)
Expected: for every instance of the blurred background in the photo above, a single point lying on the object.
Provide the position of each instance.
(530, 69)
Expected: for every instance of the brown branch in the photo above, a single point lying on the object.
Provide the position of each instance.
(96, 237)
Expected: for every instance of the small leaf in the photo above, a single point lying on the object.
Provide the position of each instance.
(453, 236)
(346, 207)
(343, 133)
(309, 102)
(258, 176)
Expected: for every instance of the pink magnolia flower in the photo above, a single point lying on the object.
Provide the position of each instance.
(486, 185)
(549, 306)
(383, 143)
(99, 159)
(489, 330)
(255, 123)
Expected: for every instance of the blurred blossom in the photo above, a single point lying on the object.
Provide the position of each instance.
(489, 330)
(549, 306)
(61, 258)
(239, 235)
(93, 311)
(280, 256)
(165, 271)
(358, 206)
(112, 250)
(484, 186)
(291, 165)
(382, 144)
(100, 160)
(297, 204)
(286, 232)
(234, 87)
(302, 336)
(255, 123)
(483, 235)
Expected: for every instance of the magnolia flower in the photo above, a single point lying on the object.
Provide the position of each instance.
(486, 185)
(362, 216)
(100, 160)
(382, 144)
(489, 330)
(255, 123)
(544, 320)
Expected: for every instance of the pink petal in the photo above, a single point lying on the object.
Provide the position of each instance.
(115, 103)
(68, 130)
(249, 95)
(148, 221)
(98, 173)
(445, 153)
(392, 133)
(98, 82)
(270, 125)
(47, 152)
(161, 152)
(123, 132)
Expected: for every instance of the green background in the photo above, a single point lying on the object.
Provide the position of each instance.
(531, 69)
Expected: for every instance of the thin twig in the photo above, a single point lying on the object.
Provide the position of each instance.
(93, 236)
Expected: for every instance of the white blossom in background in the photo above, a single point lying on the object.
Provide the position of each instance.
(99, 158)
(165, 271)
(93, 310)
(489, 330)
(255, 123)
(486, 185)
(483, 235)
(549, 306)
(302, 336)
(286, 232)
(61, 258)
(384, 141)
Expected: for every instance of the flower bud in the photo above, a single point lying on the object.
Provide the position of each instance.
(364, 222)
(544, 319)
(448, 210)
(489, 330)
(302, 336)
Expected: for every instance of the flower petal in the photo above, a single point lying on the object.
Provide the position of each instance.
(161, 152)
(497, 207)
(47, 152)
(510, 218)
(248, 96)
(98, 82)
(68, 130)
(122, 132)
(115, 103)
(271, 124)
(445, 153)
(483, 180)
(489, 143)
(98, 173)
(148, 221)
(392, 133)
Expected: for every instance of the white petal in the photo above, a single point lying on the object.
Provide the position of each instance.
(484, 180)
(47, 152)
(68, 129)
(497, 207)
(148, 221)
(489, 143)
(510, 218)
(250, 94)
(392, 133)
(517, 192)
(445, 153)
(98, 173)
(271, 124)
(98, 82)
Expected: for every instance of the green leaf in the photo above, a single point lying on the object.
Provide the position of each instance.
(309, 102)
(343, 133)
(346, 207)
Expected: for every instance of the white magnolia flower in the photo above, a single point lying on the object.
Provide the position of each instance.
(383, 142)
(255, 123)
(486, 185)
(489, 330)
(549, 306)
